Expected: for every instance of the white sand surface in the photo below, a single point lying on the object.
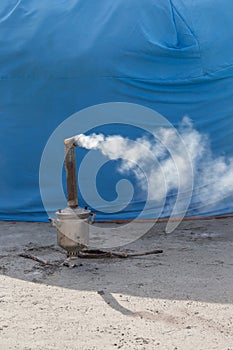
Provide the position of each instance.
(181, 299)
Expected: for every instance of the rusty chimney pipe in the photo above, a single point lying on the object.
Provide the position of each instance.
(70, 165)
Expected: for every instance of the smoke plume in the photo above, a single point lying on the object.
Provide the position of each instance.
(174, 159)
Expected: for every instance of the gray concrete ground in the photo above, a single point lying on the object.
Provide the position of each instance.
(181, 299)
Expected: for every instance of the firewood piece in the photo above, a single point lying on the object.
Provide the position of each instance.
(35, 258)
(157, 251)
(98, 254)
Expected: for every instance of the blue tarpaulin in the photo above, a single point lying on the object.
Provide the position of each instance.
(58, 57)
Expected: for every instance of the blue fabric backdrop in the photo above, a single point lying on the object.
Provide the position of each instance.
(58, 57)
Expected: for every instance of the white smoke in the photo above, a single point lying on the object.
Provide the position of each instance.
(158, 172)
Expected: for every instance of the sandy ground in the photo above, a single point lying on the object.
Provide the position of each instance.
(181, 299)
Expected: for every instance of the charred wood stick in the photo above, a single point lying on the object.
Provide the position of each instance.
(157, 251)
(35, 258)
(98, 254)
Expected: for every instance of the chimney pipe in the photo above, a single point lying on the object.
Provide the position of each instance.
(70, 165)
